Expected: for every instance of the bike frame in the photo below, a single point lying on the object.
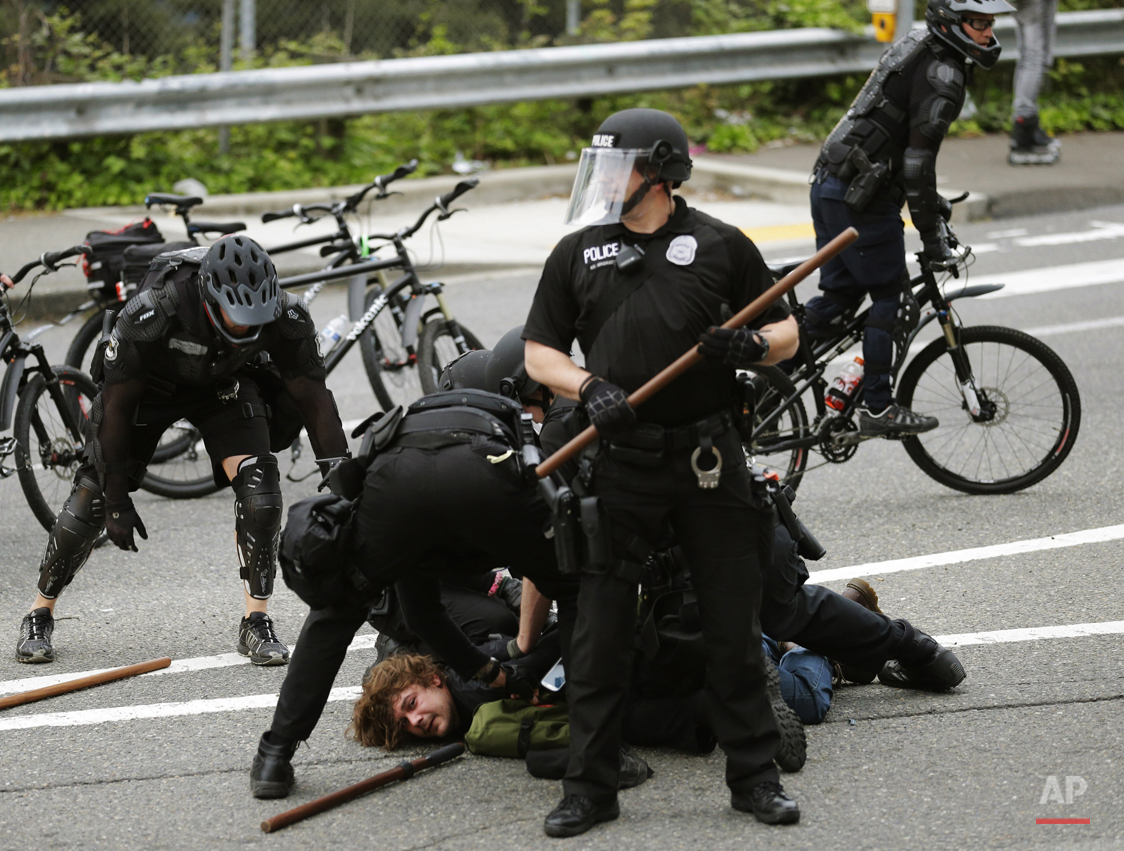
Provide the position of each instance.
(817, 357)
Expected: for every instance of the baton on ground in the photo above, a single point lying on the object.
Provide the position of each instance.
(84, 682)
(404, 771)
(748, 313)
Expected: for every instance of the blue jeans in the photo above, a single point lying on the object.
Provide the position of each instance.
(805, 680)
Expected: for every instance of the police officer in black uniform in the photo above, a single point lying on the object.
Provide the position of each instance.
(644, 281)
(182, 348)
(881, 153)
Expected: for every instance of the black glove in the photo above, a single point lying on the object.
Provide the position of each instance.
(740, 347)
(607, 406)
(938, 252)
(510, 593)
(518, 684)
(121, 519)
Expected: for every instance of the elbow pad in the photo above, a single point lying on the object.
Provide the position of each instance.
(919, 175)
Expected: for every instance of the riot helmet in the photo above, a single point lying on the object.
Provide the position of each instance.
(945, 18)
(646, 140)
(467, 372)
(238, 278)
(506, 374)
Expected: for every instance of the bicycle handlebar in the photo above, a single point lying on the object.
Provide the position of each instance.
(49, 260)
(443, 201)
(380, 183)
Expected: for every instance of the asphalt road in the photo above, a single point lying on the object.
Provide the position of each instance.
(888, 769)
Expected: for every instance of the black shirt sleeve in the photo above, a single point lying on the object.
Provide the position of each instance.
(555, 310)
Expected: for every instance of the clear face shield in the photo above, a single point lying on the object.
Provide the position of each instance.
(601, 186)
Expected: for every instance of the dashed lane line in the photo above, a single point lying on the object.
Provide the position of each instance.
(1054, 542)
(118, 714)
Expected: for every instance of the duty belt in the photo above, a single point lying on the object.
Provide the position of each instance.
(646, 444)
(443, 427)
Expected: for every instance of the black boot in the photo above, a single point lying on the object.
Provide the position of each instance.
(634, 770)
(793, 750)
(921, 663)
(271, 775)
(768, 803)
(575, 814)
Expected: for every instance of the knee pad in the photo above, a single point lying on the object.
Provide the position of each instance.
(72, 537)
(257, 522)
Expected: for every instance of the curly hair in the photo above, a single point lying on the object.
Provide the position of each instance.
(372, 720)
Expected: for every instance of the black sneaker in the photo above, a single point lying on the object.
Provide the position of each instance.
(894, 421)
(793, 750)
(257, 640)
(34, 645)
(575, 814)
(943, 673)
(768, 803)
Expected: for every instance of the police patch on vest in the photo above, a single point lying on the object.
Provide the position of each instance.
(111, 349)
(682, 250)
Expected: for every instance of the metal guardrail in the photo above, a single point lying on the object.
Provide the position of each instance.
(446, 82)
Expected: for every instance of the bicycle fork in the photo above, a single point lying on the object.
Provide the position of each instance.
(975, 400)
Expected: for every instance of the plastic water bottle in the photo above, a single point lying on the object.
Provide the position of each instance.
(330, 334)
(843, 387)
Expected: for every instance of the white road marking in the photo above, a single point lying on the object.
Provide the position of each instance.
(1049, 278)
(1033, 545)
(1007, 234)
(1076, 327)
(115, 714)
(1101, 230)
(179, 666)
(1034, 633)
(119, 714)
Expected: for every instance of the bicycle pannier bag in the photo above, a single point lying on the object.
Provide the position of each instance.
(104, 265)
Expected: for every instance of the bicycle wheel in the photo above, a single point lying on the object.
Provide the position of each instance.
(47, 454)
(391, 368)
(1032, 412)
(436, 348)
(770, 387)
(180, 467)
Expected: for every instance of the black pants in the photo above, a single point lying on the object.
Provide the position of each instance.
(727, 539)
(820, 619)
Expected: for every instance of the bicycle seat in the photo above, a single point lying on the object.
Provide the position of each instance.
(779, 272)
(221, 228)
(183, 201)
(136, 254)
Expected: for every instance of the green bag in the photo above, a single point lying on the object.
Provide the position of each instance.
(513, 727)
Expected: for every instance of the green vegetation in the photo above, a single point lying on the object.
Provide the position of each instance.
(120, 170)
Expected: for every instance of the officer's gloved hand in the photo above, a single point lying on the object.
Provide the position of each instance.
(938, 251)
(121, 519)
(517, 682)
(607, 406)
(736, 347)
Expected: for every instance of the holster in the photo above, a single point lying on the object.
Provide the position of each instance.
(867, 179)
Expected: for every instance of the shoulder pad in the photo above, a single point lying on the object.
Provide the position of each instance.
(294, 322)
(142, 319)
(947, 78)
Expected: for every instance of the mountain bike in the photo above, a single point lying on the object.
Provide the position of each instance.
(428, 338)
(406, 347)
(51, 406)
(1008, 406)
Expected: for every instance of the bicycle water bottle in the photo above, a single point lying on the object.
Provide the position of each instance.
(843, 387)
(330, 334)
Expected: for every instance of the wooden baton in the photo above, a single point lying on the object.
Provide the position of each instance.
(687, 360)
(404, 771)
(84, 682)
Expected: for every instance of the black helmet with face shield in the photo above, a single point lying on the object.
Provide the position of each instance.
(647, 141)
